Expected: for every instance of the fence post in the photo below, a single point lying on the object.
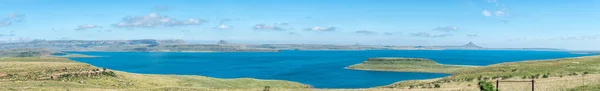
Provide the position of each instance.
(532, 85)
(497, 85)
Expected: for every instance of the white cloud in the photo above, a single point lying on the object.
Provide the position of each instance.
(366, 32)
(500, 13)
(90, 26)
(447, 28)
(486, 13)
(266, 27)
(318, 28)
(223, 27)
(423, 34)
(4, 23)
(11, 19)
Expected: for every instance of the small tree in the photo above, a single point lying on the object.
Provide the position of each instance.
(486, 86)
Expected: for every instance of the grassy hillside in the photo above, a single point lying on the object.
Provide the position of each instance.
(550, 75)
(406, 65)
(51, 73)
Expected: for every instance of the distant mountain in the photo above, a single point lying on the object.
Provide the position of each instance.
(469, 45)
(223, 42)
(89, 45)
(151, 45)
(472, 45)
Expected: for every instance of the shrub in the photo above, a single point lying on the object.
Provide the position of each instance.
(436, 86)
(109, 73)
(545, 76)
(486, 86)
(29, 54)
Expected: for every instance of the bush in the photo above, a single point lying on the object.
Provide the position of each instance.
(486, 86)
(109, 73)
(29, 54)
(545, 76)
(437, 86)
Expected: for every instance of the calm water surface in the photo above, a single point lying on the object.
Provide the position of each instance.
(321, 69)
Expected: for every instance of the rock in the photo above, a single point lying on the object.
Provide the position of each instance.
(81, 82)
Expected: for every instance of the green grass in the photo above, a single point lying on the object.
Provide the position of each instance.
(532, 69)
(27, 73)
(406, 65)
(586, 88)
(540, 70)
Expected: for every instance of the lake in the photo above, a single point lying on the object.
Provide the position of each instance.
(320, 69)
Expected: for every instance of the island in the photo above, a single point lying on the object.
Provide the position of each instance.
(407, 65)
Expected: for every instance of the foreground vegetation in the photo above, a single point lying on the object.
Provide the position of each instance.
(406, 65)
(51, 73)
(550, 75)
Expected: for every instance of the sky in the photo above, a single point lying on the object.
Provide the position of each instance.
(568, 24)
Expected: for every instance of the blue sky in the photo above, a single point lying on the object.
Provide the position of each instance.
(570, 24)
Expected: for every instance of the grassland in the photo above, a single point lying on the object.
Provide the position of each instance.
(550, 75)
(56, 74)
(406, 65)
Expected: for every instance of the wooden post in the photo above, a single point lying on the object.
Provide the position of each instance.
(497, 85)
(532, 85)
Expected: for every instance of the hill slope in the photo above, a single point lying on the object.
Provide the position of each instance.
(51, 73)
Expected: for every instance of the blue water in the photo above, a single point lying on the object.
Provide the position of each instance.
(321, 69)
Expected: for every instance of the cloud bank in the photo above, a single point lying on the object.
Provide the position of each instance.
(154, 20)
